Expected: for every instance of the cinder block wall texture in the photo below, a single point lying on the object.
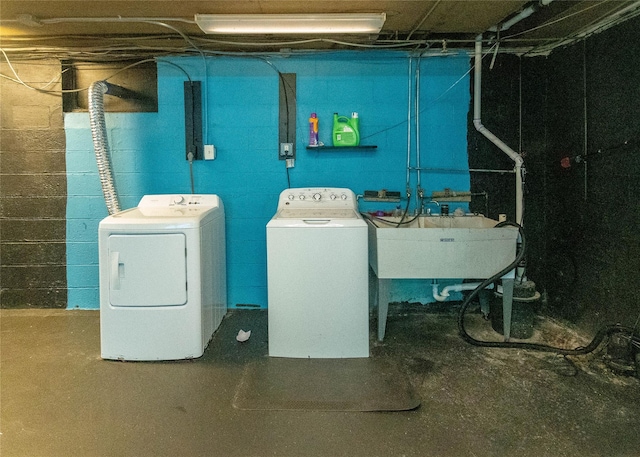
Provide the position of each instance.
(33, 188)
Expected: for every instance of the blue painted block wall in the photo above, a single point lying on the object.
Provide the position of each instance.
(241, 103)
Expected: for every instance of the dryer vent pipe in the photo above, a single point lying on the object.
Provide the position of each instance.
(101, 144)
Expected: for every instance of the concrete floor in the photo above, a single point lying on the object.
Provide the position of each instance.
(58, 398)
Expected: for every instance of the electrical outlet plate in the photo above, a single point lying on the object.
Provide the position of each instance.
(286, 151)
(209, 152)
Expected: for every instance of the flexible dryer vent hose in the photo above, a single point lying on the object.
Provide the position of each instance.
(101, 145)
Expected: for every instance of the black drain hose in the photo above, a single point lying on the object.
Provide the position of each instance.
(600, 335)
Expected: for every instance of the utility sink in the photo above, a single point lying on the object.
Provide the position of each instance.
(461, 222)
(439, 247)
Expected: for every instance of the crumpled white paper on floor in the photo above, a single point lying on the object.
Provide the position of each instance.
(243, 336)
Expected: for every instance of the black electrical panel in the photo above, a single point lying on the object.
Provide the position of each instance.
(193, 120)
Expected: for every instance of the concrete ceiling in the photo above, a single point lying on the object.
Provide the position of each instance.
(157, 27)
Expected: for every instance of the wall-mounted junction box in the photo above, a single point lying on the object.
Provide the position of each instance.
(193, 119)
(209, 152)
(286, 151)
(287, 116)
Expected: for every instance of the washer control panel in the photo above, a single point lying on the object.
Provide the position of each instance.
(317, 198)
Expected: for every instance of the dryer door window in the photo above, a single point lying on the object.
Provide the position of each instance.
(147, 270)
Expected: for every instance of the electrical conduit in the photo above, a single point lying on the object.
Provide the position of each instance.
(409, 92)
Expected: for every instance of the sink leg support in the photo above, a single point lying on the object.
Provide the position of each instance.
(507, 305)
(485, 307)
(383, 305)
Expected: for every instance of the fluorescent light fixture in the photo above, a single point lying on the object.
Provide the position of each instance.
(290, 23)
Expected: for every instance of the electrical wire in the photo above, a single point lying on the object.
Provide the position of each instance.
(351, 44)
(43, 89)
(605, 21)
(19, 80)
(286, 103)
(39, 89)
(205, 135)
(261, 56)
(192, 146)
(59, 20)
(161, 22)
(555, 21)
(168, 62)
(193, 190)
(164, 22)
(430, 102)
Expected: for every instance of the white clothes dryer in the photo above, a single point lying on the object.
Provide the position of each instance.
(317, 276)
(162, 278)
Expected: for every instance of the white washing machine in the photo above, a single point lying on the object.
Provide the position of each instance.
(162, 278)
(317, 276)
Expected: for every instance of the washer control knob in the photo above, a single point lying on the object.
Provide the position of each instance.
(177, 199)
(317, 196)
(301, 196)
(333, 196)
(343, 196)
(291, 197)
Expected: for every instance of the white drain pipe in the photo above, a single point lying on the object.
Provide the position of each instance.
(446, 291)
(525, 13)
(477, 122)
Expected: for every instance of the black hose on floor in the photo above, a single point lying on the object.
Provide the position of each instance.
(600, 335)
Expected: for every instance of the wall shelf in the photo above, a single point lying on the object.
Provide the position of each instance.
(333, 148)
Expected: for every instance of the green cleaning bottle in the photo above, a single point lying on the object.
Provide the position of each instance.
(346, 131)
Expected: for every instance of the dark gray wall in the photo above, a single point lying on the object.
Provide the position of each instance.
(597, 213)
(582, 103)
(32, 190)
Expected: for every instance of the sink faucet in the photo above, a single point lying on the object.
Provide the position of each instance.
(430, 202)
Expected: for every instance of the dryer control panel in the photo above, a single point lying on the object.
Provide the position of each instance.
(179, 200)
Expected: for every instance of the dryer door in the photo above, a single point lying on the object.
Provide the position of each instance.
(147, 270)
